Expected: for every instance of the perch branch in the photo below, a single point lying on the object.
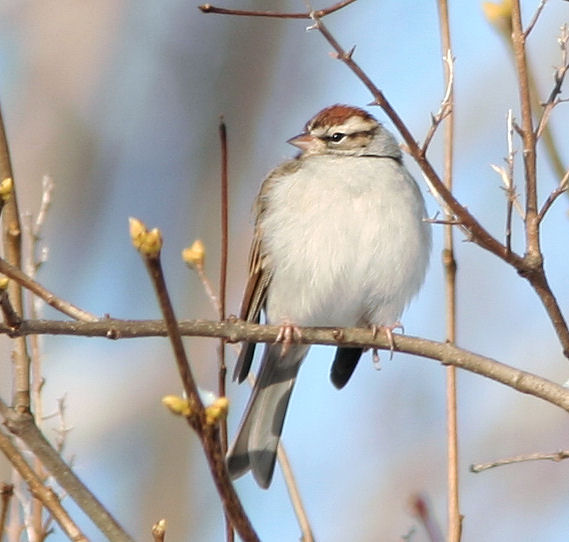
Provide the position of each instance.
(235, 330)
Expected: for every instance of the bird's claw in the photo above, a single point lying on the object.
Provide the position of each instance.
(288, 333)
(389, 334)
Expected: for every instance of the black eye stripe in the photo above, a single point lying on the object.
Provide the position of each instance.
(337, 137)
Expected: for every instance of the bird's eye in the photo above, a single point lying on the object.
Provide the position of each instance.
(337, 137)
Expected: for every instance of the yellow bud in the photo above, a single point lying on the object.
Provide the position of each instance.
(148, 242)
(499, 16)
(217, 410)
(6, 188)
(177, 405)
(4, 281)
(194, 256)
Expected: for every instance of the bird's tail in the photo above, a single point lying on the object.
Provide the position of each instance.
(255, 446)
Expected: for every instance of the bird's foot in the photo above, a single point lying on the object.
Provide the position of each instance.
(388, 330)
(288, 334)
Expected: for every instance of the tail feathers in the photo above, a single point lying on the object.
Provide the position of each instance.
(255, 447)
(344, 365)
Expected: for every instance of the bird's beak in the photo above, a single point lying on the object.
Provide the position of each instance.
(306, 142)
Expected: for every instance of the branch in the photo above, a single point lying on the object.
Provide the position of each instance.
(235, 330)
(446, 107)
(6, 494)
(12, 244)
(50, 298)
(538, 456)
(454, 519)
(563, 187)
(535, 18)
(149, 244)
(208, 8)
(44, 494)
(22, 425)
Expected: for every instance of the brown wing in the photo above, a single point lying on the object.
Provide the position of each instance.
(256, 289)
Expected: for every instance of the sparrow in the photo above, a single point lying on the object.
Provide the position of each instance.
(340, 240)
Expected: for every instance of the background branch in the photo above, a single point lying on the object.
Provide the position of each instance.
(44, 494)
(208, 8)
(538, 456)
(22, 425)
(450, 268)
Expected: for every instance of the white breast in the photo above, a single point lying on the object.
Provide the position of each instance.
(347, 242)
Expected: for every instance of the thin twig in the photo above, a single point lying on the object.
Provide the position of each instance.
(534, 18)
(558, 79)
(208, 8)
(446, 106)
(222, 370)
(294, 494)
(51, 299)
(563, 187)
(450, 268)
(538, 456)
(223, 266)
(507, 176)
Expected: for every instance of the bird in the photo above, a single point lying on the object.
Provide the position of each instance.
(340, 240)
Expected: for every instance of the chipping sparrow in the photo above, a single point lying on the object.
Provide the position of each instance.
(340, 240)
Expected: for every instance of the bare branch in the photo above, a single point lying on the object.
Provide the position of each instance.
(558, 79)
(208, 8)
(538, 456)
(51, 299)
(446, 103)
(535, 18)
(46, 495)
(6, 494)
(294, 494)
(237, 331)
(23, 426)
(563, 187)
